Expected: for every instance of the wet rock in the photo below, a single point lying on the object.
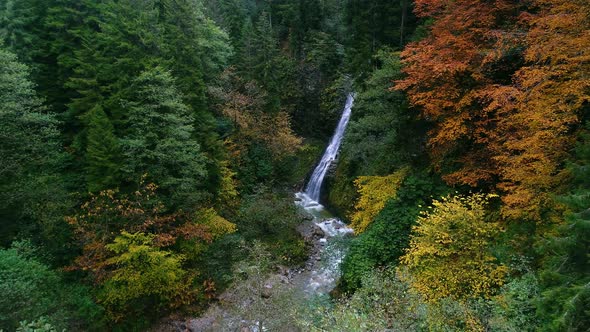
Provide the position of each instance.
(283, 271)
(284, 279)
(318, 232)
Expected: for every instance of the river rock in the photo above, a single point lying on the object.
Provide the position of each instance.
(284, 279)
(266, 291)
(318, 232)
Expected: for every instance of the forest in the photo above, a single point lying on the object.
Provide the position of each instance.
(150, 151)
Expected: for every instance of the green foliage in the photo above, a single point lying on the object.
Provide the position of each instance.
(31, 189)
(102, 152)
(216, 261)
(272, 218)
(18, 20)
(383, 302)
(256, 167)
(386, 301)
(66, 31)
(160, 141)
(292, 170)
(372, 25)
(514, 308)
(39, 325)
(30, 290)
(144, 280)
(565, 274)
(383, 134)
(386, 239)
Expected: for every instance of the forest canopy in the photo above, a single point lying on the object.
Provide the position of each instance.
(150, 151)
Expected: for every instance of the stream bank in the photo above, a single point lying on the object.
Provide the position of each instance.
(326, 237)
(265, 301)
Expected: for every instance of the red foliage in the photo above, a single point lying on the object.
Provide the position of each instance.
(107, 214)
(503, 88)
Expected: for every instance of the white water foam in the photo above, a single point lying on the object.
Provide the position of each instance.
(323, 277)
(314, 185)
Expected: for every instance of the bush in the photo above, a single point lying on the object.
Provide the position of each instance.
(449, 253)
(30, 290)
(383, 302)
(272, 218)
(387, 237)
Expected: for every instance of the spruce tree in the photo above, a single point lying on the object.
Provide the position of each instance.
(565, 274)
(102, 151)
(160, 139)
(31, 190)
(18, 21)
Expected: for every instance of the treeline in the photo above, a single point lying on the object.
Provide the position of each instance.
(464, 173)
(142, 144)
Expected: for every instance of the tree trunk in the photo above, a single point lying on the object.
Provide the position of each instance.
(404, 9)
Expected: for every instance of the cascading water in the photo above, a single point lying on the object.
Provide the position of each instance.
(320, 273)
(311, 197)
(321, 278)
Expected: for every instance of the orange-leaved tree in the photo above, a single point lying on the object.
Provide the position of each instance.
(242, 102)
(504, 89)
(449, 72)
(109, 213)
(549, 94)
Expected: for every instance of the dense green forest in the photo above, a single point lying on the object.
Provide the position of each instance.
(150, 150)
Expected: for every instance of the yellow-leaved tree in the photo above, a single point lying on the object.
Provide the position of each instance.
(144, 277)
(374, 192)
(216, 224)
(449, 251)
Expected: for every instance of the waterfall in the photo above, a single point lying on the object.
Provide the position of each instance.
(311, 196)
(321, 277)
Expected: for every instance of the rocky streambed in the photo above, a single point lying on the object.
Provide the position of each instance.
(240, 307)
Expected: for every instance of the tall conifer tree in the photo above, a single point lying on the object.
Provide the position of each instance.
(160, 139)
(31, 189)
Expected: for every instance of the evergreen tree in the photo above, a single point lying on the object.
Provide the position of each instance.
(565, 275)
(67, 27)
(31, 290)
(31, 190)
(263, 64)
(18, 20)
(230, 15)
(160, 139)
(372, 24)
(196, 51)
(102, 149)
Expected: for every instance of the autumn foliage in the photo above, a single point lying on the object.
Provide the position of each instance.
(127, 243)
(374, 192)
(504, 86)
(143, 276)
(105, 215)
(449, 250)
(243, 102)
